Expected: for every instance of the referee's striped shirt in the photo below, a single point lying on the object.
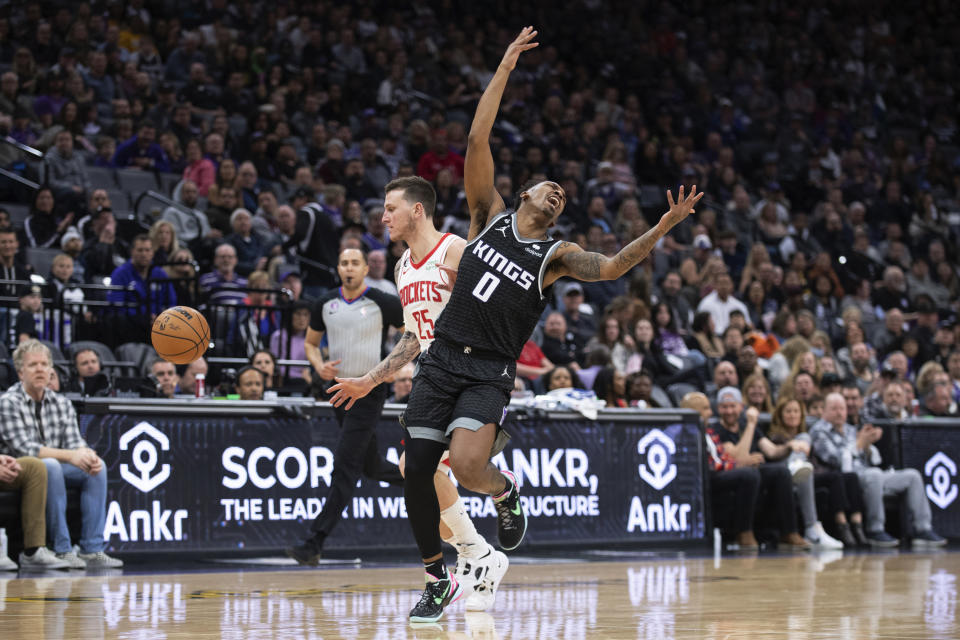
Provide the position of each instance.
(356, 329)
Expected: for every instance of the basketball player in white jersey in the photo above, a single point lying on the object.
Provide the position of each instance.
(424, 276)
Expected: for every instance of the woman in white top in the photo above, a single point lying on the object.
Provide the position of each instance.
(610, 335)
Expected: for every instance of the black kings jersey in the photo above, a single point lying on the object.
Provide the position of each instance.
(498, 297)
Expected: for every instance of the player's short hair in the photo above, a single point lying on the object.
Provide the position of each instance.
(415, 189)
(526, 186)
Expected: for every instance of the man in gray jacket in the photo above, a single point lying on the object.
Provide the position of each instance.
(189, 222)
(840, 446)
(65, 170)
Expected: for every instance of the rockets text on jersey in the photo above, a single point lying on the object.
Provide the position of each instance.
(421, 292)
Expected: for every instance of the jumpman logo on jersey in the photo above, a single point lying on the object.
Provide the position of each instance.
(503, 229)
(505, 374)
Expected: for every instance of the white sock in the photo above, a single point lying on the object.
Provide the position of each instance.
(469, 543)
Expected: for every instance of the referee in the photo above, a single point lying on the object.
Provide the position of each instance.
(355, 319)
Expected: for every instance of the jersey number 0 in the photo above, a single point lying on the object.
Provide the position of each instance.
(486, 286)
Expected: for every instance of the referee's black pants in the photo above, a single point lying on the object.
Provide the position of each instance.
(356, 454)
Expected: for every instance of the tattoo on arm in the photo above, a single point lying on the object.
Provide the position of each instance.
(582, 265)
(591, 267)
(405, 350)
(558, 264)
(636, 251)
(396, 272)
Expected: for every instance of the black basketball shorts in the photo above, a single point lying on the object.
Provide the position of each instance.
(454, 389)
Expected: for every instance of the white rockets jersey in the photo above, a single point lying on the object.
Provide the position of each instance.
(421, 295)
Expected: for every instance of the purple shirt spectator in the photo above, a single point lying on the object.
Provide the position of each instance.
(223, 285)
(278, 345)
(142, 152)
(160, 294)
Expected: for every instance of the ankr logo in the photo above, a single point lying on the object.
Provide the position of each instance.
(145, 457)
(659, 471)
(941, 470)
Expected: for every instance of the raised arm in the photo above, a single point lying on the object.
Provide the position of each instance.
(741, 451)
(571, 260)
(482, 198)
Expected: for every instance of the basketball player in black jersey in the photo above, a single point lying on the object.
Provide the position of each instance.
(459, 397)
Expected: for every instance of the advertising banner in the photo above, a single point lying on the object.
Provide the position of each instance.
(241, 482)
(935, 452)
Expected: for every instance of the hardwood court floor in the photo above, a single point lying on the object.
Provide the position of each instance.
(800, 597)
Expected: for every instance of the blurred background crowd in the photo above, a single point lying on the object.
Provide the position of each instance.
(825, 139)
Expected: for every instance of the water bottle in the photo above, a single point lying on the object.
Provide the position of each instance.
(847, 464)
(67, 337)
(200, 388)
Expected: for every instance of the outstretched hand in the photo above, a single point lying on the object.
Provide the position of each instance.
(681, 207)
(518, 46)
(451, 277)
(349, 390)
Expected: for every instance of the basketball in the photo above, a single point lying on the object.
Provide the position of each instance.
(180, 335)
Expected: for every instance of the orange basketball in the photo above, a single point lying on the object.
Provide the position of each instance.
(180, 335)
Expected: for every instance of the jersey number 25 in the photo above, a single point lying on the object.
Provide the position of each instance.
(424, 324)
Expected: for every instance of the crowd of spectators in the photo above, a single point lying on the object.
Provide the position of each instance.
(820, 264)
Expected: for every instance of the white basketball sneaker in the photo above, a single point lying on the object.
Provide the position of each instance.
(467, 567)
(489, 571)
